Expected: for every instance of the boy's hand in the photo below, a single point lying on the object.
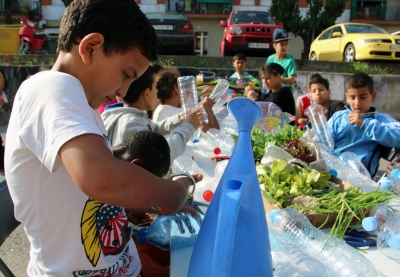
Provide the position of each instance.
(195, 118)
(392, 165)
(208, 103)
(249, 93)
(356, 119)
(302, 121)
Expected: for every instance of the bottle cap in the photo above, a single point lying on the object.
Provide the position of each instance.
(395, 174)
(394, 241)
(387, 182)
(229, 91)
(217, 151)
(369, 224)
(142, 236)
(273, 215)
(294, 118)
(195, 140)
(333, 172)
(208, 195)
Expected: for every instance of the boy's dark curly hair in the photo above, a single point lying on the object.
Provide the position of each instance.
(122, 23)
(139, 85)
(360, 80)
(272, 68)
(318, 79)
(167, 79)
(152, 148)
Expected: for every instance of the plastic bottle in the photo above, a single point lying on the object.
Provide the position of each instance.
(159, 232)
(189, 98)
(317, 117)
(350, 159)
(290, 260)
(395, 176)
(219, 141)
(380, 213)
(221, 87)
(331, 251)
(388, 240)
(185, 164)
(288, 118)
(220, 169)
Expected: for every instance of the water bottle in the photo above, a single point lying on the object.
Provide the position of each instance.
(219, 141)
(395, 176)
(380, 213)
(227, 122)
(185, 164)
(331, 251)
(220, 169)
(189, 99)
(288, 118)
(159, 232)
(317, 117)
(221, 87)
(350, 159)
(388, 240)
(289, 259)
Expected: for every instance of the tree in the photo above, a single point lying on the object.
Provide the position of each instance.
(67, 2)
(317, 18)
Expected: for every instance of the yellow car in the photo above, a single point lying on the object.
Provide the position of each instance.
(351, 42)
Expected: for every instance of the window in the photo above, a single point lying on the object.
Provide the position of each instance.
(326, 34)
(149, 2)
(248, 17)
(337, 29)
(359, 28)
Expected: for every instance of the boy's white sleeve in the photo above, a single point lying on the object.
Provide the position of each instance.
(177, 142)
(382, 128)
(168, 125)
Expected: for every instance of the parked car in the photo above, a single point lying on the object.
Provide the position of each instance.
(396, 33)
(249, 32)
(174, 31)
(351, 42)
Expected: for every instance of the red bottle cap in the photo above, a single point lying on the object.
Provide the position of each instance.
(208, 195)
(217, 151)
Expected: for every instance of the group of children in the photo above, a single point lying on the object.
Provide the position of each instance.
(72, 178)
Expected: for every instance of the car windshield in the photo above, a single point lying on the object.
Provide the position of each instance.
(370, 29)
(248, 17)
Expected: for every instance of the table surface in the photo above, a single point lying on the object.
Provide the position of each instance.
(180, 259)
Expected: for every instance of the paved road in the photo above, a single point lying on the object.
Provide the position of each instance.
(15, 250)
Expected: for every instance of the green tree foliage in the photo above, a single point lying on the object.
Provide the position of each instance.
(318, 17)
(66, 2)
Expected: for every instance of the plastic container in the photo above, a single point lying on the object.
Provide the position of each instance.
(220, 142)
(272, 117)
(333, 252)
(317, 117)
(388, 240)
(288, 118)
(159, 232)
(221, 88)
(220, 169)
(185, 164)
(289, 259)
(380, 214)
(350, 159)
(233, 239)
(189, 98)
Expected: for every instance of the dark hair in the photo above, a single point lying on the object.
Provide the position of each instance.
(152, 148)
(122, 23)
(167, 79)
(272, 68)
(360, 80)
(184, 71)
(139, 85)
(157, 67)
(318, 79)
(239, 56)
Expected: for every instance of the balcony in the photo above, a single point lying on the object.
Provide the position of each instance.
(376, 13)
(12, 11)
(199, 6)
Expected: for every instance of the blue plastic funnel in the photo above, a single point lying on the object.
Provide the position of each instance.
(233, 239)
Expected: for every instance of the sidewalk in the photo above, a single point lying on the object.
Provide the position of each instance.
(15, 250)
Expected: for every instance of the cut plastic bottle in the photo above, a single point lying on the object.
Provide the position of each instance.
(220, 142)
(380, 213)
(159, 232)
(331, 251)
(388, 240)
(317, 117)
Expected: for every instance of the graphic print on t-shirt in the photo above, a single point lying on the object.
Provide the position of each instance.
(104, 228)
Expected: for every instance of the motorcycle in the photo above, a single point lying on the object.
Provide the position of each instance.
(32, 41)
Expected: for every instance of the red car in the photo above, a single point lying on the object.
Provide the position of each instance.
(248, 32)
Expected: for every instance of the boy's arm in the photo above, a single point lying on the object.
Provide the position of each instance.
(168, 125)
(383, 129)
(291, 72)
(101, 176)
(177, 142)
(299, 119)
(208, 103)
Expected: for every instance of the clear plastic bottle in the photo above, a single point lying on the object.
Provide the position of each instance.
(159, 232)
(220, 169)
(185, 164)
(317, 117)
(350, 159)
(290, 260)
(331, 251)
(219, 141)
(395, 176)
(221, 87)
(388, 240)
(380, 213)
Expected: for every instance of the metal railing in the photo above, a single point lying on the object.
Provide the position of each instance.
(376, 12)
(393, 13)
(198, 8)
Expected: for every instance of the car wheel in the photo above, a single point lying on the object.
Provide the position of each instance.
(349, 54)
(225, 51)
(25, 48)
(313, 56)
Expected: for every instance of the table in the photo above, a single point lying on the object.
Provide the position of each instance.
(180, 259)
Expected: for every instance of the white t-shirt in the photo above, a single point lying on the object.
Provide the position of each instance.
(70, 234)
(164, 111)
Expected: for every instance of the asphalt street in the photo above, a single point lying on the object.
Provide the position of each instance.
(15, 250)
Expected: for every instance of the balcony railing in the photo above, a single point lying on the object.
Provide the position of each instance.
(199, 7)
(376, 12)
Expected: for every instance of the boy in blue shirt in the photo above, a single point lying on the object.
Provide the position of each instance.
(281, 41)
(239, 63)
(360, 128)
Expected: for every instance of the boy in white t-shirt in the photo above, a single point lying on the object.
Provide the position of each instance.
(68, 189)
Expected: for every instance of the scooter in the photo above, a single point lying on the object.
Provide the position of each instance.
(32, 41)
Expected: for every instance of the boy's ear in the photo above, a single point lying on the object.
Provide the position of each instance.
(145, 93)
(138, 162)
(89, 45)
(176, 89)
(373, 94)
